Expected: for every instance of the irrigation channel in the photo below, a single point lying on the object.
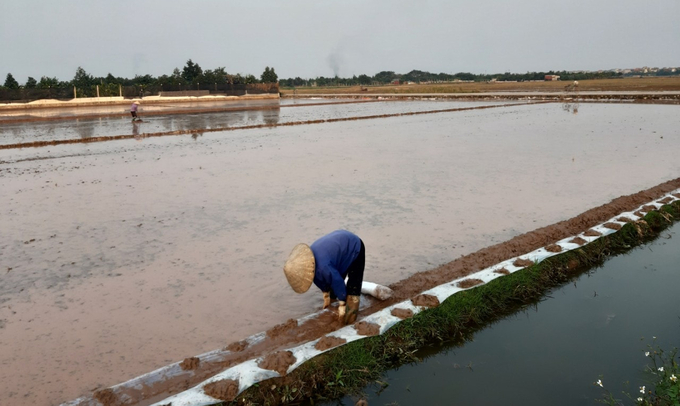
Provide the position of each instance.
(596, 326)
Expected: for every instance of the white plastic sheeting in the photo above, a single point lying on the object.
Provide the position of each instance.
(249, 373)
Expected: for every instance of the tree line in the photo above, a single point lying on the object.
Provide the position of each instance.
(190, 76)
(417, 76)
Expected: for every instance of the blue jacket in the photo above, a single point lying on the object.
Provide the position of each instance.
(333, 254)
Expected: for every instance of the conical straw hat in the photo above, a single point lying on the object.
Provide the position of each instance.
(299, 268)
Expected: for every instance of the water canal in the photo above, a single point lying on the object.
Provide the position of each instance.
(597, 326)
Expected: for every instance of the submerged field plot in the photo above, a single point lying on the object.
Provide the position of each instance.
(122, 257)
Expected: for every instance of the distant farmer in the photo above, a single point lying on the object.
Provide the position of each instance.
(327, 262)
(133, 111)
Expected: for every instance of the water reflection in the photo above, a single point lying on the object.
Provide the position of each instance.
(571, 107)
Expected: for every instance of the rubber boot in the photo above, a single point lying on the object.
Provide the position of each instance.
(352, 309)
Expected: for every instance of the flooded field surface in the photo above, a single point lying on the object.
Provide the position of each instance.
(595, 328)
(261, 112)
(120, 257)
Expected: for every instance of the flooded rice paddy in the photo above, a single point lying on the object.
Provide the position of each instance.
(115, 120)
(120, 257)
(596, 327)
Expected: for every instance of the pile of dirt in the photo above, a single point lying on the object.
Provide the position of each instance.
(612, 226)
(225, 389)
(425, 300)
(577, 240)
(625, 219)
(278, 361)
(237, 346)
(553, 248)
(106, 397)
(365, 328)
(468, 283)
(502, 271)
(592, 233)
(521, 263)
(329, 342)
(190, 363)
(402, 313)
(282, 328)
(647, 208)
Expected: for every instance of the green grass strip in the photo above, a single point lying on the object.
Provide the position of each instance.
(348, 369)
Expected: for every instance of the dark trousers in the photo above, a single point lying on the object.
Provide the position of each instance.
(355, 273)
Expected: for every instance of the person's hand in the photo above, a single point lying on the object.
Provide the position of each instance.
(326, 299)
(341, 311)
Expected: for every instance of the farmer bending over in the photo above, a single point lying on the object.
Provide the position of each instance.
(327, 263)
(133, 111)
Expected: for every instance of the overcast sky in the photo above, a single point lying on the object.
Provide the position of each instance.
(310, 38)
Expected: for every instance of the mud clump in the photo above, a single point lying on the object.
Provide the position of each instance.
(225, 389)
(624, 219)
(278, 361)
(190, 363)
(502, 271)
(666, 200)
(522, 263)
(365, 328)
(468, 283)
(647, 208)
(282, 328)
(577, 241)
(553, 248)
(639, 213)
(106, 397)
(612, 226)
(329, 342)
(237, 346)
(402, 313)
(592, 233)
(677, 195)
(425, 300)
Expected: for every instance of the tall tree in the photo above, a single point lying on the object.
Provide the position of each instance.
(82, 79)
(31, 83)
(10, 82)
(191, 71)
(269, 76)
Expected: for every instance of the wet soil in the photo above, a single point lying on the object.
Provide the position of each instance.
(402, 313)
(612, 226)
(425, 301)
(553, 248)
(278, 361)
(281, 329)
(625, 219)
(237, 346)
(329, 342)
(190, 363)
(502, 271)
(468, 283)
(225, 389)
(577, 240)
(666, 200)
(365, 328)
(647, 208)
(520, 262)
(592, 233)
(107, 398)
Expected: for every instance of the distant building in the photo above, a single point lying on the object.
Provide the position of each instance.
(552, 77)
(395, 82)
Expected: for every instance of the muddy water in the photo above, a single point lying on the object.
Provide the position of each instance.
(155, 120)
(121, 257)
(598, 326)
